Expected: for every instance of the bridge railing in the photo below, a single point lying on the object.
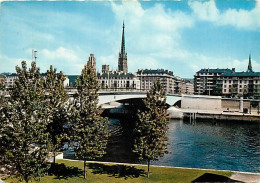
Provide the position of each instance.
(118, 90)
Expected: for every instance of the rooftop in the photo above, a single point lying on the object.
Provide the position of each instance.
(154, 71)
(240, 74)
(116, 74)
(15, 74)
(214, 70)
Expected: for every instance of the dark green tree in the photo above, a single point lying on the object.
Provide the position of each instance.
(23, 133)
(90, 130)
(2, 91)
(58, 105)
(150, 140)
(3, 112)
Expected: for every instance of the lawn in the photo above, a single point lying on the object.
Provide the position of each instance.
(72, 171)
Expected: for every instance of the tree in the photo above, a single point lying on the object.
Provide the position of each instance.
(3, 111)
(23, 133)
(150, 141)
(90, 130)
(58, 104)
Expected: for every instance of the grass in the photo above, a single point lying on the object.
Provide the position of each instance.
(72, 171)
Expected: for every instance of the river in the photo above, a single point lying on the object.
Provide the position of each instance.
(223, 145)
(211, 145)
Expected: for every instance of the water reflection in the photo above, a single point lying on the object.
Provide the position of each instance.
(215, 145)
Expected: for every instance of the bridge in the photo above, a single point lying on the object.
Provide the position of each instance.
(114, 97)
(108, 96)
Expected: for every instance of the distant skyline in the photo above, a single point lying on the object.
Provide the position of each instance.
(181, 36)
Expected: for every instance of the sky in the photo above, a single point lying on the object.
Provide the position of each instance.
(182, 36)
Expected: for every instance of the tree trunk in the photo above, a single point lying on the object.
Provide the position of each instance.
(148, 172)
(85, 171)
(54, 158)
(26, 179)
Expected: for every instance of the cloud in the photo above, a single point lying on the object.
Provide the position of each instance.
(110, 60)
(8, 64)
(205, 11)
(62, 59)
(151, 33)
(241, 65)
(242, 19)
(155, 35)
(144, 62)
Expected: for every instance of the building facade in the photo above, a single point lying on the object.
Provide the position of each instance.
(246, 84)
(183, 86)
(118, 80)
(206, 81)
(148, 77)
(11, 77)
(240, 84)
(189, 87)
(228, 82)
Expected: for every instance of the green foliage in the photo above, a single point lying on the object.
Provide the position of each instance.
(150, 141)
(58, 105)
(90, 130)
(2, 92)
(3, 113)
(23, 132)
(2, 84)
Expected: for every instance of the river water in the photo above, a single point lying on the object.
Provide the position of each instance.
(223, 145)
(210, 145)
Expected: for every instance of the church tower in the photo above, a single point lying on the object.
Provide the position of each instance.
(249, 67)
(92, 60)
(122, 59)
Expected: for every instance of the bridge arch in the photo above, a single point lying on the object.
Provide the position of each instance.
(107, 98)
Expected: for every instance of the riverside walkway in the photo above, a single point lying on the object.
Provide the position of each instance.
(221, 115)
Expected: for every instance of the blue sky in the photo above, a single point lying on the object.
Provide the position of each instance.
(181, 36)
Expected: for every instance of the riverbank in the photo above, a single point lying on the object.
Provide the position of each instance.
(219, 115)
(71, 171)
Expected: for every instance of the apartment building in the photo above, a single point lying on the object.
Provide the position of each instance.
(147, 77)
(206, 81)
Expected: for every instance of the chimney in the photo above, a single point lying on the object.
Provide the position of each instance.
(233, 70)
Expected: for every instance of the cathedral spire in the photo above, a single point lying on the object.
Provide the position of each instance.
(122, 59)
(249, 67)
(123, 40)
